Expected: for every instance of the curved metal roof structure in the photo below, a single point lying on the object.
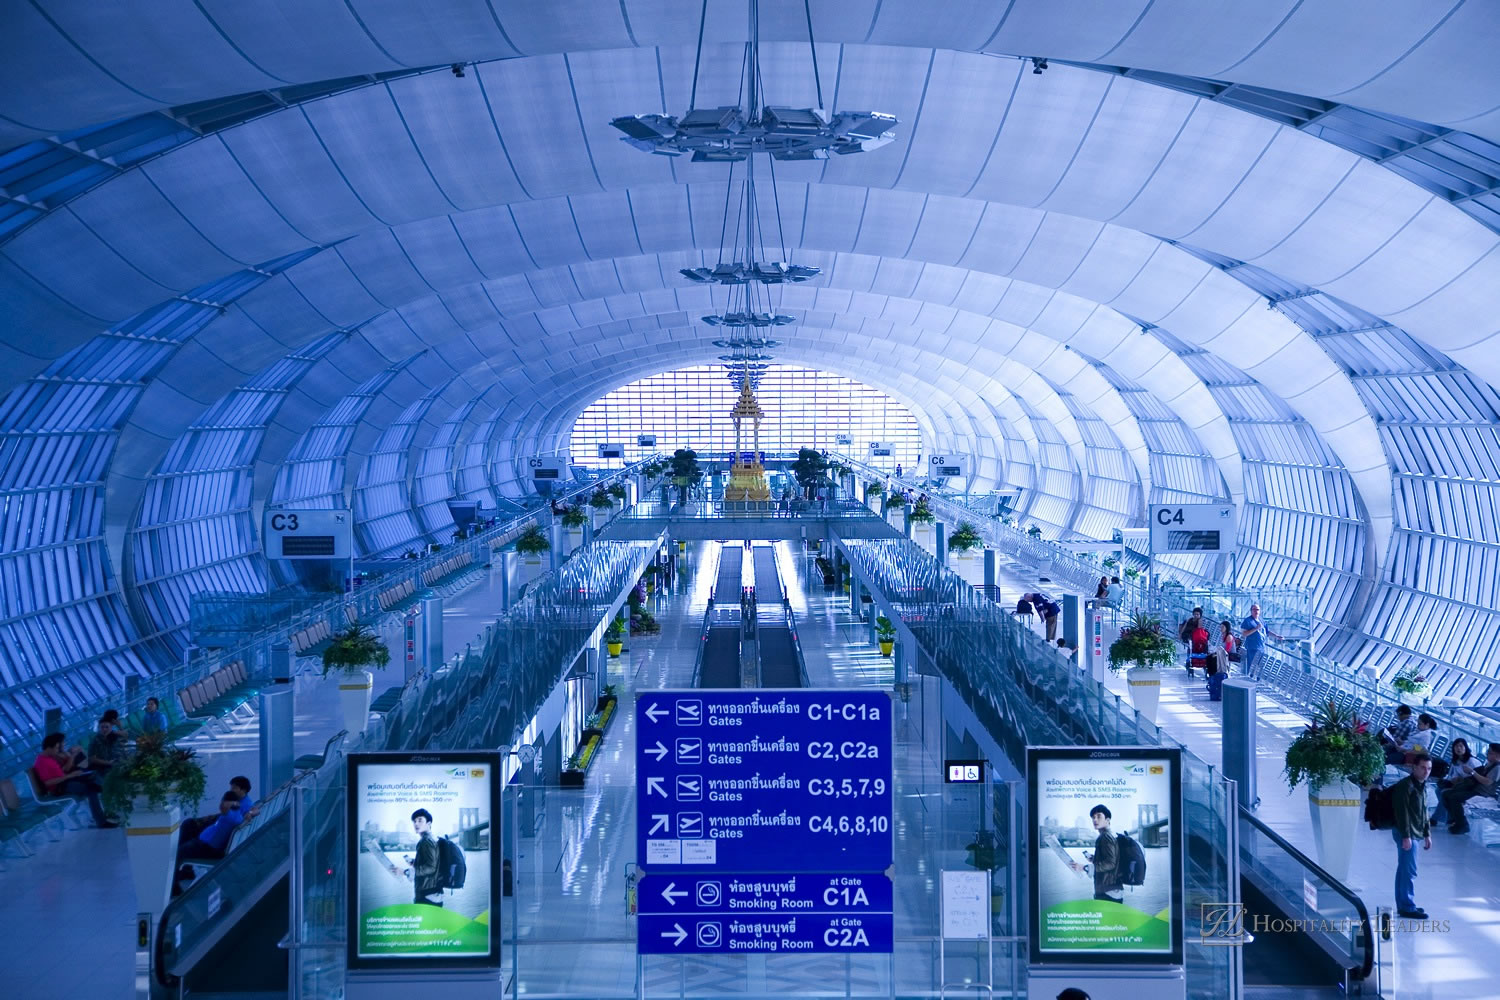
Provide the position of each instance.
(259, 255)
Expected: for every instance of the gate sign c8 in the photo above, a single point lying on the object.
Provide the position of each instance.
(1192, 527)
(764, 781)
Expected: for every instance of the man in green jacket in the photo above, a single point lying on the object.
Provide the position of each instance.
(1409, 803)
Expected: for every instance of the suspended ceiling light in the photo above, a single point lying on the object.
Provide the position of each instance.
(737, 273)
(749, 319)
(730, 134)
(749, 343)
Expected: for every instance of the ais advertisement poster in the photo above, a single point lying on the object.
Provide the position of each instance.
(422, 880)
(1105, 855)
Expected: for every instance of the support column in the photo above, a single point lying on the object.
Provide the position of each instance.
(430, 632)
(991, 574)
(939, 541)
(277, 710)
(906, 520)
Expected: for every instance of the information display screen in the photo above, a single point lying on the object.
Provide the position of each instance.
(544, 473)
(305, 546)
(422, 882)
(1106, 855)
(1193, 541)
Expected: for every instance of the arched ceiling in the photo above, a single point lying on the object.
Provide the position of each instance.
(67, 65)
(1021, 230)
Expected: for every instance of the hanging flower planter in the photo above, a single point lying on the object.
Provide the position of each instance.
(1140, 650)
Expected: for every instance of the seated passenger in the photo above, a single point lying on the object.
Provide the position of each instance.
(239, 790)
(106, 747)
(1479, 781)
(212, 842)
(1116, 592)
(1418, 744)
(59, 776)
(153, 720)
(1400, 731)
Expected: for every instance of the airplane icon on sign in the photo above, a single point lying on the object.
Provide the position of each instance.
(690, 713)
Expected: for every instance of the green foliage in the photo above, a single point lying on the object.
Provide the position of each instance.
(532, 542)
(1034, 532)
(616, 630)
(157, 771)
(1410, 681)
(354, 649)
(922, 513)
(1131, 573)
(609, 691)
(1170, 584)
(652, 469)
(1111, 562)
(600, 500)
(618, 491)
(874, 490)
(685, 470)
(810, 469)
(964, 538)
(1337, 745)
(574, 517)
(896, 500)
(1142, 644)
(643, 622)
(885, 629)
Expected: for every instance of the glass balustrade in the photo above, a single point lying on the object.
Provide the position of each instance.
(1024, 693)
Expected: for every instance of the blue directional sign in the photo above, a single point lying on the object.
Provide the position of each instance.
(764, 781)
(725, 933)
(740, 894)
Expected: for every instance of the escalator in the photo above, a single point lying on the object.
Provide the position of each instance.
(719, 655)
(780, 656)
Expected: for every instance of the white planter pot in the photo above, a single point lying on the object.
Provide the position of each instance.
(1335, 809)
(572, 538)
(151, 844)
(531, 568)
(354, 697)
(1145, 691)
(924, 535)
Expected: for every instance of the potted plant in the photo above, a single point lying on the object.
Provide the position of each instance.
(1141, 649)
(434, 546)
(1033, 532)
(965, 539)
(685, 473)
(895, 503)
(650, 576)
(593, 727)
(572, 775)
(605, 700)
(1110, 562)
(848, 578)
(885, 635)
(1410, 683)
(810, 470)
(873, 493)
(614, 636)
(348, 657)
(599, 499)
(617, 491)
(1336, 755)
(149, 789)
(532, 542)
(574, 517)
(643, 622)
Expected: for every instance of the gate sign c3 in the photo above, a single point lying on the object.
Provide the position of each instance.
(1192, 527)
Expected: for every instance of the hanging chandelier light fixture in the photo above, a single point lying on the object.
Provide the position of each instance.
(748, 265)
(733, 133)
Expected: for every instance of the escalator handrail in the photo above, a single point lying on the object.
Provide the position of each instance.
(1349, 895)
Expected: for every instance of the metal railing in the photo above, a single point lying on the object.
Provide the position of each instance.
(1024, 693)
(478, 698)
(1282, 608)
(20, 746)
(1339, 922)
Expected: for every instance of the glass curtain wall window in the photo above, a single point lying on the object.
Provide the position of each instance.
(689, 407)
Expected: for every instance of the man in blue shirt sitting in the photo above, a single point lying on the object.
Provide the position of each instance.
(212, 842)
(153, 719)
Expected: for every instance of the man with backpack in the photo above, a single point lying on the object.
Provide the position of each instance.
(424, 870)
(1105, 860)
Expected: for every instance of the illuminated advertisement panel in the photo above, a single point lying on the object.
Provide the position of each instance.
(1105, 854)
(422, 878)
